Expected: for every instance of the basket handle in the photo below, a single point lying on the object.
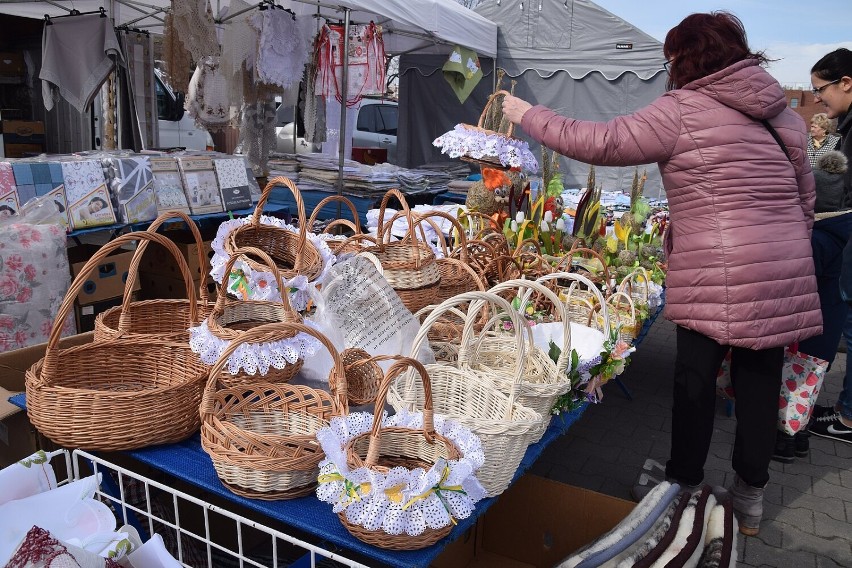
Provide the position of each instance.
(272, 332)
(491, 101)
(222, 297)
(527, 287)
(132, 273)
(478, 301)
(50, 353)
(569, 256)
(380, 227)
(300, 210)
(332, 198)
(579, 278)
(356, 229)
(460, 245)
(401, 364)
(627, 283)
(476, 223)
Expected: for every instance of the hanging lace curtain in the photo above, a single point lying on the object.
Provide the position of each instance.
(207, 99)
(366, 62)
(282, 49)
(194, 25)
(177, 58)
(239, 49)
(311, 104)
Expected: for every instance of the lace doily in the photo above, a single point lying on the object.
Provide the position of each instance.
(401, 501)
(194, 24)
(463, 141)
(261, 284)
(283, 47)
(253, 358)
(208, 99)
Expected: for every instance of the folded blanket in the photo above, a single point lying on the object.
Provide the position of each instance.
(657, 551)
(720, 543)
(685, 550)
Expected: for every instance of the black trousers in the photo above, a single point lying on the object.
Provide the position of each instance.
(756, 379)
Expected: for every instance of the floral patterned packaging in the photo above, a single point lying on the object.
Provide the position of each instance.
(34, 278)
(168, 185)
(233, 183)
(8, 191)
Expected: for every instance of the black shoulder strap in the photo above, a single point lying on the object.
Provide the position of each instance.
(777, 137)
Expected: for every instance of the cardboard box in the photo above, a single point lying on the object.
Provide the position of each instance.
(537, 523)
(159, 287)
(86, 315)
(105, 282)
(19, 135)
(12, 64)
(158, 261)
(18, 438)
(22, 150)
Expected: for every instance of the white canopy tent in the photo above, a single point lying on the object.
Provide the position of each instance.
(425, 26)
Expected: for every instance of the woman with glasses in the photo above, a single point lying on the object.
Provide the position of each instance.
(831, 78)
(741, 196)
(821, 141)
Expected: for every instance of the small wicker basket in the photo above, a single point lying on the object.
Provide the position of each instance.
(409, 265)
(261, 437)
(164, 319)
(231, 319)
(292, 252)
(337, 243)
(118, 393)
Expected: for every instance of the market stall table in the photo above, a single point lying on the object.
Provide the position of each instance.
(187, 461)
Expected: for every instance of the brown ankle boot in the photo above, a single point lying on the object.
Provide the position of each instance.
(748, 506)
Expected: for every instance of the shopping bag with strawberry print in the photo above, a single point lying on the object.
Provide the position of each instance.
(802, 378)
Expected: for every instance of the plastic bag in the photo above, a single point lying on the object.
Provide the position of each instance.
(34, 274)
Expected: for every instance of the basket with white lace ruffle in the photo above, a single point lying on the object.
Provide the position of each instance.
(487, 147)
(277, 359)
(400, 482)
(302, 257)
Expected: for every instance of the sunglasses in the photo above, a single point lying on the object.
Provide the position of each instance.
(817, 91)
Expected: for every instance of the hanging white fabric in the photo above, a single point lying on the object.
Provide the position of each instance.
(283, 47)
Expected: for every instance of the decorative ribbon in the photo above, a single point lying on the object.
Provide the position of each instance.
(437, 489)
(351, 493)
(240, 285)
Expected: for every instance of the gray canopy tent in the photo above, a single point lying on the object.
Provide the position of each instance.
(570, 55)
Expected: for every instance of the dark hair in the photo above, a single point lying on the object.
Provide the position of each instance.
(703, 44)
(103, 203)
(834, 66)
(7, 208)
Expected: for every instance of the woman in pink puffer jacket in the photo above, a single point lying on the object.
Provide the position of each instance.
(741, 272)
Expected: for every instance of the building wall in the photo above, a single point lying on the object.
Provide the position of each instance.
(805, 103)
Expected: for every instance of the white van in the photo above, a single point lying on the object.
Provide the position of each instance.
(177, 129)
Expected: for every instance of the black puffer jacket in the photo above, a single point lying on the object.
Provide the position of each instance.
(844, 128)
(829, 177)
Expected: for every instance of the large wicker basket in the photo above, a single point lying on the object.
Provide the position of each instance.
(384, 448)
(292, 252)
(231, 319)
(261, 436)
(469, 395)
(409, 265)
(117, 393)
(163, 319)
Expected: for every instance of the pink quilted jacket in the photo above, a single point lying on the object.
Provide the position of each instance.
(739, 252)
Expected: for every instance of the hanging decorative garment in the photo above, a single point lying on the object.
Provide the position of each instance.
(366, 57)
(207, 99)
(177, 58)
(462, 72)
(312, 104)
(78, 54)
(239, 49)
(139, 51)
(108, 138)
(193, 22)
(257, 134)
(283, 47)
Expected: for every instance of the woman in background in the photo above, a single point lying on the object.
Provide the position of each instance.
(820, 140)
(741, 196)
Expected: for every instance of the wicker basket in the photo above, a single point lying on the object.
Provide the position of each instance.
(480, 255)
(580, 297)
(231, 319)
(363, 376)
(543, 380)
(637, 285)
(568, 264)
(261, 437)
(118, 393)
(293, 253)
(409, 265)
(164, 319)
(337, 243)
(469, 396)
(385, 448)
(620, 313)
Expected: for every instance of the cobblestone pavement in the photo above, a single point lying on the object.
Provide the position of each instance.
(808, 504)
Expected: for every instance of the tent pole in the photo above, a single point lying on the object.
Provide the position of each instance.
(343, 107)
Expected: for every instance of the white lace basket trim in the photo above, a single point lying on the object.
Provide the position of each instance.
(476, 144)
(253, 358)
(261, 284)
(401, 501)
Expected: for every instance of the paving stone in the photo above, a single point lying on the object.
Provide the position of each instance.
(803, 483)
(792, 516)
(831, 507)
(771, 534)
(819, 458)
(773, 493)
(830, 528)
(721, 450)
(827, 474)
(563, 475)
(796, 539)
(825, 562)
(848, 506)
(842, 450)
(829, 490)
(758, 553)
(845, 478)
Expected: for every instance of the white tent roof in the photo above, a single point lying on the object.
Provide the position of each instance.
(408, 25)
